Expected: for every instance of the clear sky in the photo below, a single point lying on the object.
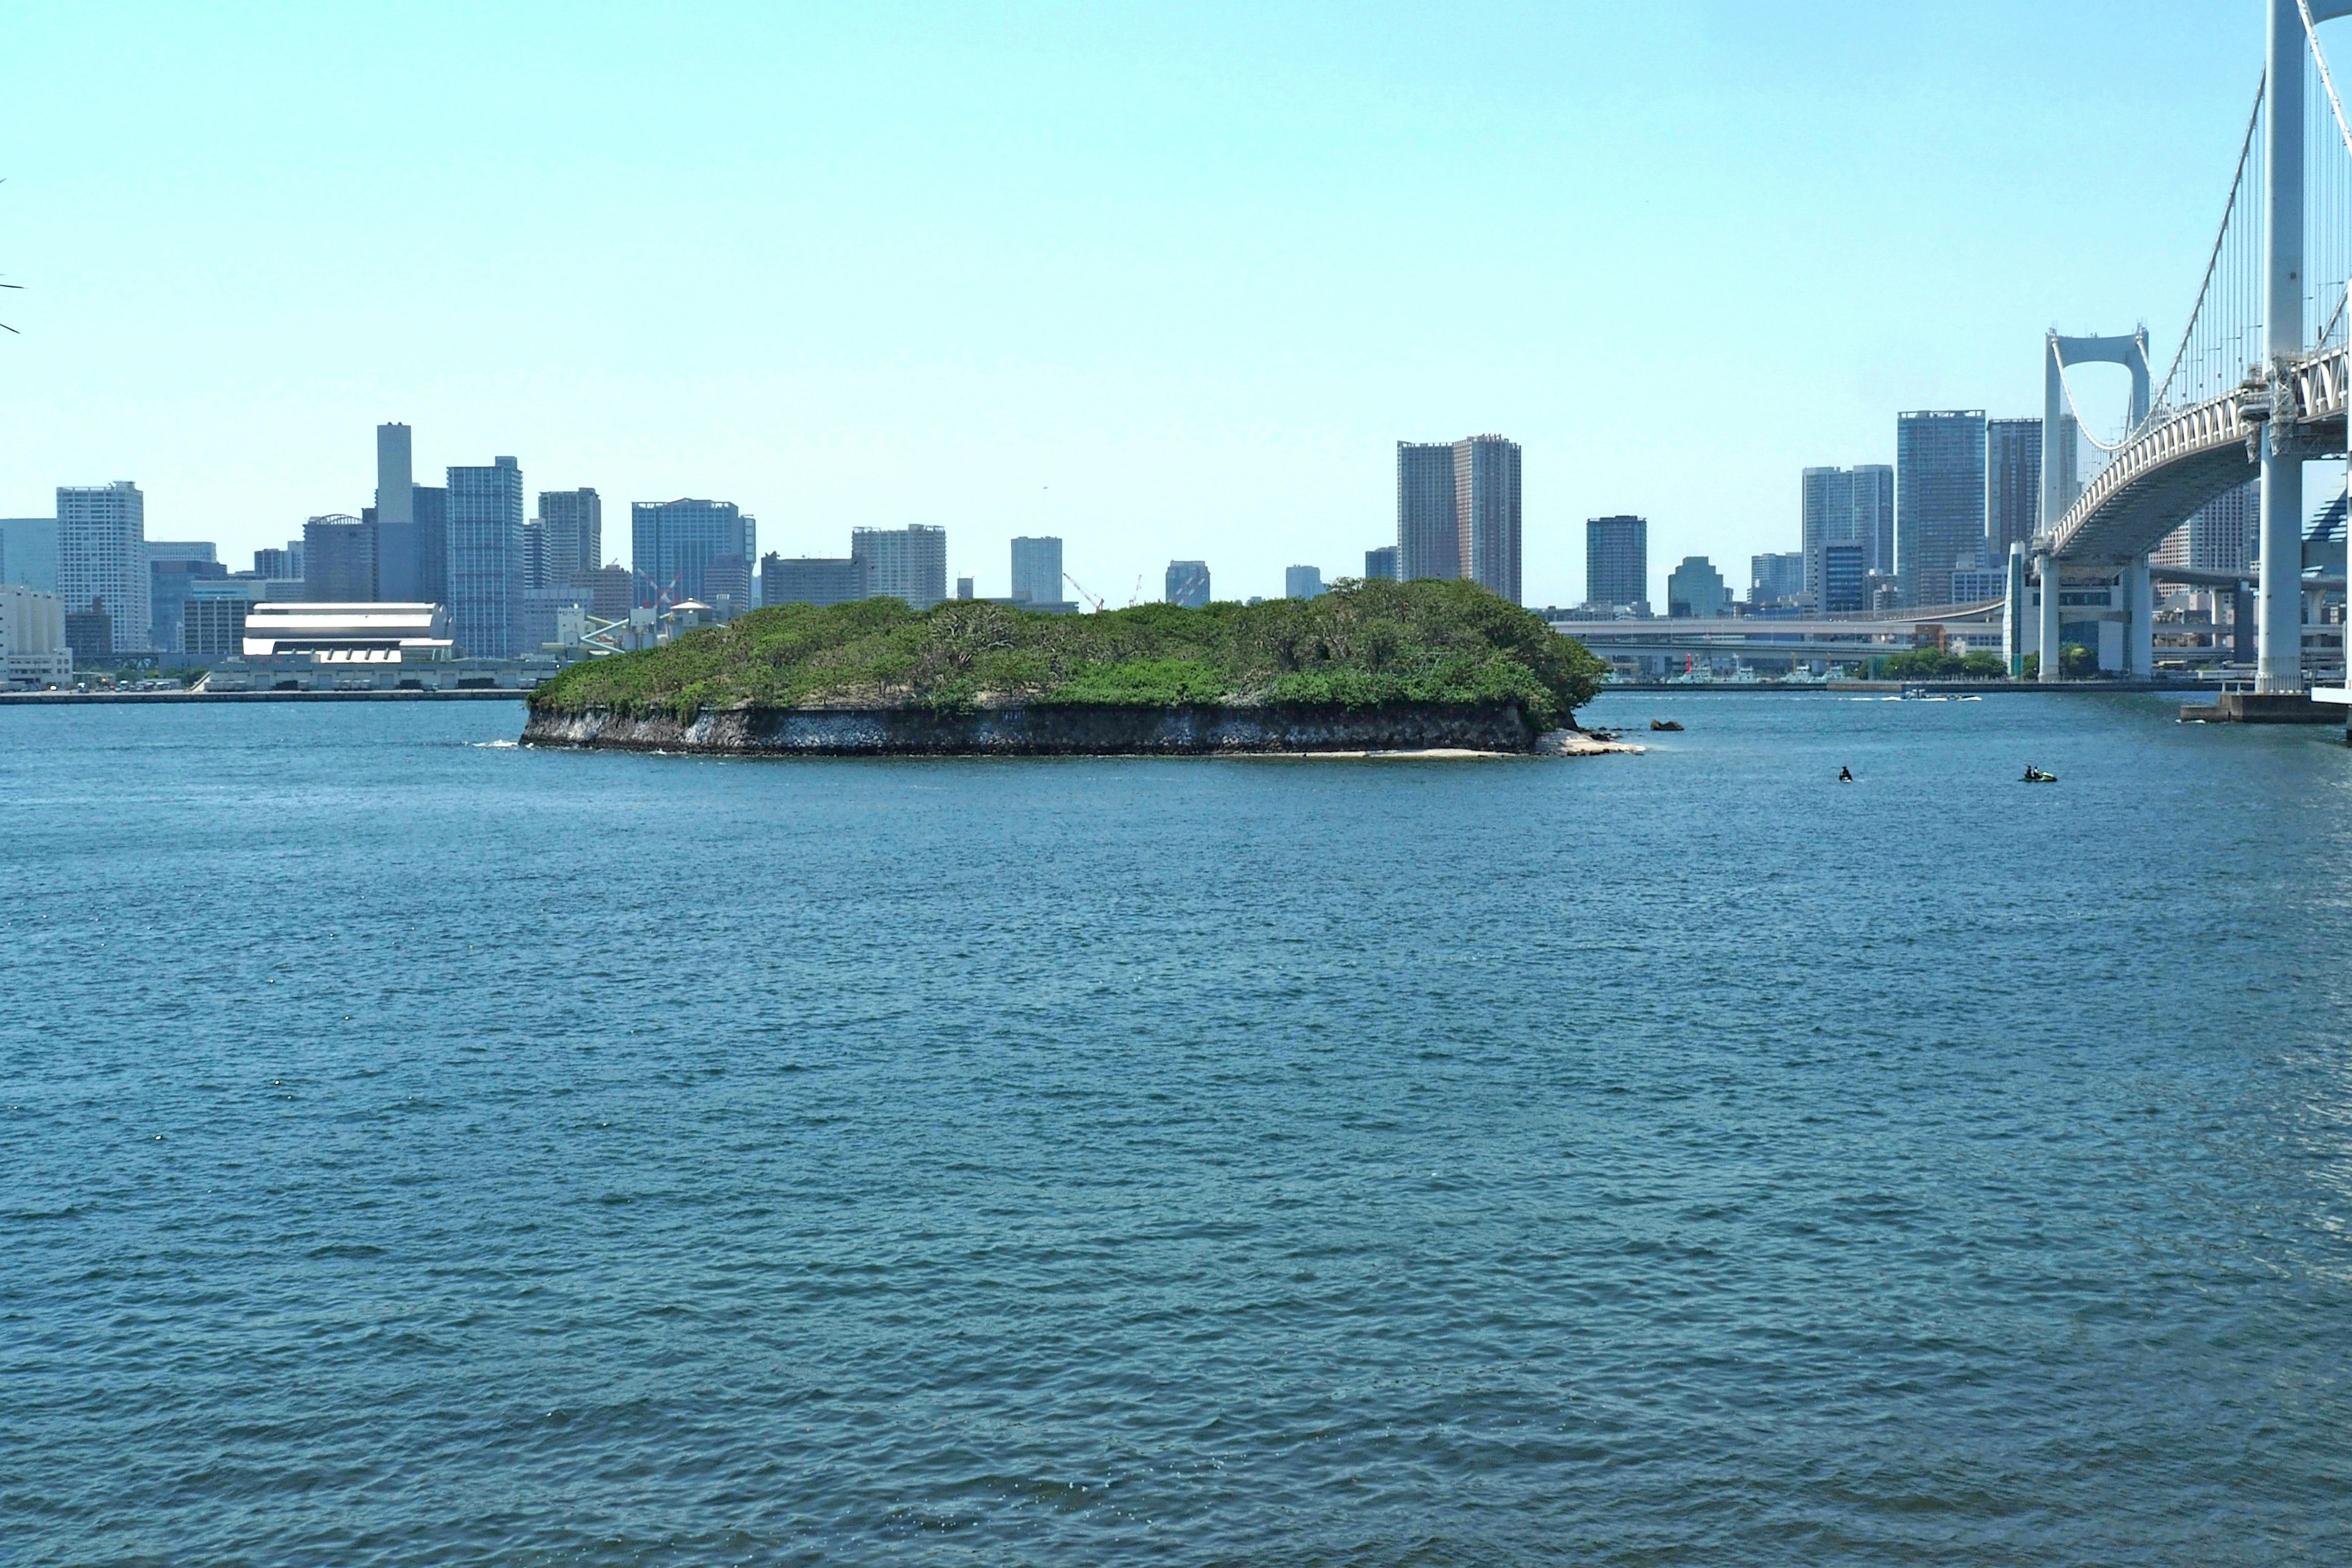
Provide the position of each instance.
(1165, 281)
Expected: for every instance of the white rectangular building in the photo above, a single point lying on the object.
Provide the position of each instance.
(33, 650)
(102, 556)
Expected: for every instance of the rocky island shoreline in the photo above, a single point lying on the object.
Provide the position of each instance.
(1369, 667)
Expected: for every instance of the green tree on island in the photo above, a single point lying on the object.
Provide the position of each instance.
(1362, 644)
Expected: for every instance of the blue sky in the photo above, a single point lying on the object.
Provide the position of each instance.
(1165, 281)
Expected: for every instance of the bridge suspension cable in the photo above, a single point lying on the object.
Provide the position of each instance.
(2228, 310)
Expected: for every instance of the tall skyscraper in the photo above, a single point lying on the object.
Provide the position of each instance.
(1486, 512)
(1381, 564)
(672, 544)
(339, 561)
(1302, 582)
(1458, 511)
(2012, 483)
(2223, 533)
(1429, 525)
(28, 553)
(1617, 561)
(909, 563)
(1188, 584)
(430, 505)
(484, 532)
(1939, 502)
(1843, 589)
(399, 544)
(102, 555)
(1037, 570)
(1846, 506)
(575, 521)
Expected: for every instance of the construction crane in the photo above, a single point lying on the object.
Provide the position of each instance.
(1081, 587)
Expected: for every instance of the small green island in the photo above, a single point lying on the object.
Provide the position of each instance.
(1367, 666)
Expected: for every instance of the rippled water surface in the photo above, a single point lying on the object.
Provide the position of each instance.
(416, 1150)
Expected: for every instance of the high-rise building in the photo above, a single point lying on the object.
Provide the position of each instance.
(484, 523)
(1939, 501)
(430, 506)
(102, 557)
(1458, 511)
(1695, 589)
(32, 649)
(1429, 524)
(90, 632)
(2012, 484)
(1846, 506)
(1188, 584)
(534, 554)
(400, 543)
(339, 561)
(1617, 561)
(1486, 512)
(1381, 564)
(612, 590)
(1844, 588)
(909, 563)
(173, 569)
(1037, 570)
(672, 544)
(1302, 582)
(28, 553)
(276, 564)
(727, 581)
(964, 590)
(813, 580)
(1775, 579)
(575, 521)
(2224, 534)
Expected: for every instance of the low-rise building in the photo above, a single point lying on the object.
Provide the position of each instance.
(33, 652)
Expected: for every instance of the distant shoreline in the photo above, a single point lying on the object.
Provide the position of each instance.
(63, 699)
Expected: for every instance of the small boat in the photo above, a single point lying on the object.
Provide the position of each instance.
(1665, 724)
(2035, 775)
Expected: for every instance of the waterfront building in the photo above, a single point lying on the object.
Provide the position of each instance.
(374, 632)
(611, 591)
(1939, 501)
(1695, 589)
(33, 648)
(909, 563)
(1188, 584)
(339, 560)
(1381, 564)
(1844, 587)
(1037, 570)
(1976, 580)
(28, 553)
(2223, 533)
(550, 614)
(672, 544)
(1302, 582)
(213, 627)
(483, 523)
(1776, 580)
(813, 580)
(399, 542)
(102, 557)
(1429, 529)
(575, 540)
(2012, 486)
(1617, 561)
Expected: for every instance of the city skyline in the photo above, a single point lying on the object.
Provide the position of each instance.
(996, 408)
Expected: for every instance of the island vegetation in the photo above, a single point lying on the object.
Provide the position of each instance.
(1361, 645)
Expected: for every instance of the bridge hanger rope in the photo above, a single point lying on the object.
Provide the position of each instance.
(2319, 58)
(2213, 260)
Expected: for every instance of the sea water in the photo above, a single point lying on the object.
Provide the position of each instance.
(415, 1149)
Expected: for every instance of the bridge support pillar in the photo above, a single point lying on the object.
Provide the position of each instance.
(2013, 627)
(2278, 594)
(2139, 647)
(2049, 639)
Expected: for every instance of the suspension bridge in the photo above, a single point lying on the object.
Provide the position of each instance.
(2259, 384)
